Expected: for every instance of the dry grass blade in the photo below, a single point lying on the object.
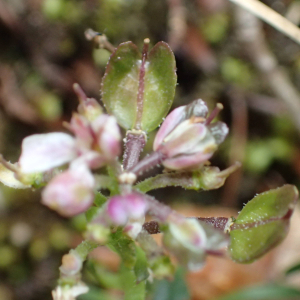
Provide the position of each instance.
(271, 17)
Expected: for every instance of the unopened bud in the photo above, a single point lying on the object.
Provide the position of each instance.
(121, 208)
(88, 107)
(71, 263)
(97, 233)
(70, 192)
(210, 178)
(186, 140)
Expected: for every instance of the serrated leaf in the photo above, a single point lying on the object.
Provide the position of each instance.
(262, 224)
(124, 246)
(91, 213)
(7, 177)
(120, 86)
(100, 199)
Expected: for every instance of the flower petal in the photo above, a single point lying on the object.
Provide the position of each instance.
(197, 108)
(122, 208)
(42, 152)
(171, 121)
(189, 233)
(70, 192)
(116, 210)
(110, 138)
(184, 139)
(7, 177)
(219, 130)
(187, 161)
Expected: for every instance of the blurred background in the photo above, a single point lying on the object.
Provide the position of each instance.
(223, 54)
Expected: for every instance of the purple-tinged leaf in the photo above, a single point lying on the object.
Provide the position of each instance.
(262, 224)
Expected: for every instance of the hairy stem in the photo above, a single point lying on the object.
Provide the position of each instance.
(134, 145)
(163, 180)
(152, 227)
(82, 251)
(150, 161)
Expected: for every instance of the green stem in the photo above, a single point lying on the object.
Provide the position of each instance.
(184, 180)
(114, 170)
(82, 250)
(85, 248)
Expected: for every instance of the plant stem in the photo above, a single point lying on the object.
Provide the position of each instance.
(85, 248)
(184, 180)
(99, 39)
(134, 145)
(152, 227)
(82, 250)
(150, 161)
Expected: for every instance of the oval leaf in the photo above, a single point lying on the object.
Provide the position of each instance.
(120, 84)
(160, 83)
(262, 224)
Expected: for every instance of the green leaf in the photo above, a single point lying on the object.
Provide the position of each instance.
(271, 204)
(124, 246)
(121, 82)
(246, 245)
(141, 265)
(132, 289)
(103, 276)
(172, 290)
(293, 269)
(91, 213)
(160, 83)
(262, 224)
(266, 292)
(100, 199)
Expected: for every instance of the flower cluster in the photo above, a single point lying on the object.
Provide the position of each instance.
(96, 142)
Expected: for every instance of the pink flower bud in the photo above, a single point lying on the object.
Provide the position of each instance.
(189, 233)
(185, 139)
(70, 192)
(108, 136)
(187, 241)
(42, 152)
(88, 107)
(71, 263)
(122, 208)
(134, 227)
(80, 126)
